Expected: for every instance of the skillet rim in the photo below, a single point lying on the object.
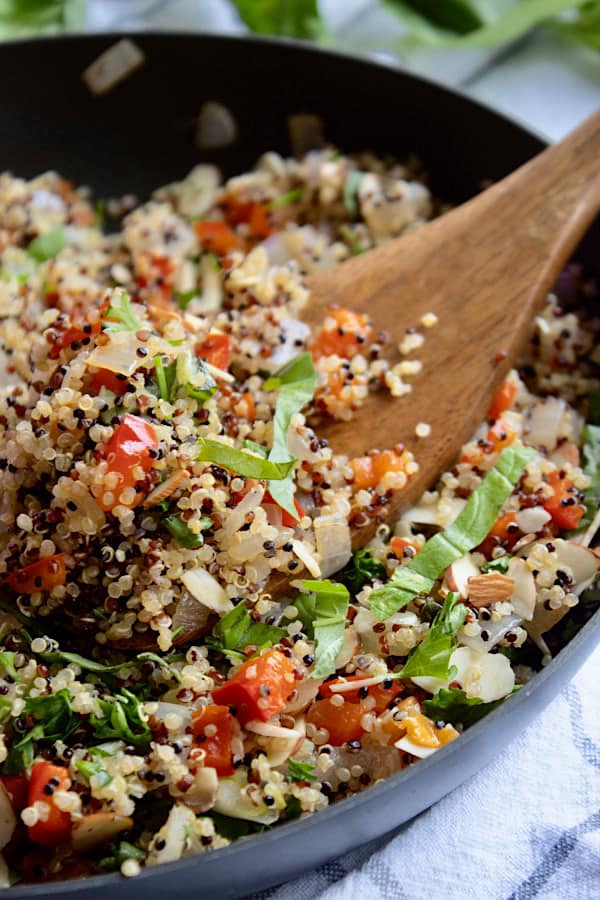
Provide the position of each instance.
(571, 657)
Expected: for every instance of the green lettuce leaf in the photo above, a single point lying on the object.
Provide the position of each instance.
(327, 607)
(432, 656)
(362, 569)
(47, 246)
(591, 467)
(242, 463)
(236, 630)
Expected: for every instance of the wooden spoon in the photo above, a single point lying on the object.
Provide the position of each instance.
(484, 269)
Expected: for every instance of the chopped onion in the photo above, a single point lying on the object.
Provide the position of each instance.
(113, 66)
(544, 422)
(343, 686)
(334, 543)
(216, 127)
(203, 793)
(305, 556)
(488, 676)
(233, 801)
(269, 729)
(211, 298)
(172, 836)
(238, 515)
(98, 828)
(532, 519)
(207, 590)
(294, 333)
(119, 353)
(196, 194)
(349, 648)
(523, 595)
(8, 819)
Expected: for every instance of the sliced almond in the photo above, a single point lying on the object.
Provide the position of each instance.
(492, 587)
(523, 595)
(459, 573)
(164, 490)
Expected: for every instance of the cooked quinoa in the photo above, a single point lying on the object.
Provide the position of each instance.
(190, 650)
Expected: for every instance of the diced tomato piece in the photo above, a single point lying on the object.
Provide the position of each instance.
(369, 470)
(504, 399)
(260, 688)
(349, 334)
(128, 448)
(104, 378)
(399, 545)
(287, 520)
(342, 722)
(42, 575)
(45, 780)
(255, 215)
(383, 695)
(17, 788)
(218, 238)
(563, 506)
(501, 535)
(217, 745)
(216, 350)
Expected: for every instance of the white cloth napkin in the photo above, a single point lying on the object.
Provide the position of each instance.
(527, 826)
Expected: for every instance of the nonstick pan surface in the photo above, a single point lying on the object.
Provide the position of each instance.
(140, 136)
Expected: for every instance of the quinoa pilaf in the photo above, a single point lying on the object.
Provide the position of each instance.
(162, 467)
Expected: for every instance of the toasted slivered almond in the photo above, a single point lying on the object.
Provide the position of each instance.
(164, 490)
(489, 588)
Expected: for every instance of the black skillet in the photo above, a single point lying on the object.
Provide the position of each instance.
(140, 136)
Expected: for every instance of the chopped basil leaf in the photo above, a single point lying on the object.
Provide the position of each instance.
(256, 448)
(454, 706)
(497, 565)
(183, 534)
(183, 298)
(350, 193)
(120, 315)
(119, 854)
(285, 199)
(329, 611)
(300, 771)
(162, 663)
(89, 665)
(7, 662)
(89, 768)
(293, 808)
(47, 246)
(432, 656)
(352, 240)
(122, 718)
(242, 463)
(296, 382)
(195, 377)
(54, 719)
(362, 569)
(236, 631)
(166, 378)
(468, 530)
(591, 468)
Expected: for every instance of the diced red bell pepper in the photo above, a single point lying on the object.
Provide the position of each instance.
(17, 788)
(383, 695)
(255, 215)
(42, 575)
(217, 745)
(128, 448)
(399, 545)
(44, 781)
(501, 535)
(503, 400)
(563, 506)
(260, 688)
(342, 722)
(287, 520)
(218, 237)
(351, 333)
(216, 350)
(369, 470)
(104, 378)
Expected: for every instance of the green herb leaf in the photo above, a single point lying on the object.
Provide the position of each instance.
(7, 662)
(352, 240)
(88, 665)
(467, 531)
(47, 246)
(162, 663)
(458, 16)
(120, 315)
(183, 534)
(292, 18)
(454, 706)
(350, 193)
(591, 467)
(258, 449)
(300, 771)
(293, 808)
(497, 565)
(166, 378)
(329, 620)
(362, 569)
(286, 199)
(184, 298)
(123, 719)
(88, 768)
(119, 854)
(236, 631)
(432, 656)
(242, 463)
(296, 382)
